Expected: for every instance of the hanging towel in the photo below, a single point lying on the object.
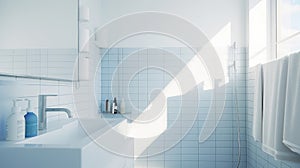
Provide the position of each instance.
(291, 136)
(257, 106)
(274, 91)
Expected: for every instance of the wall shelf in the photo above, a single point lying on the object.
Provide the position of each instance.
(111, 116)
(35, 77)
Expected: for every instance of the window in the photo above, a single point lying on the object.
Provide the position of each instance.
(288, 27)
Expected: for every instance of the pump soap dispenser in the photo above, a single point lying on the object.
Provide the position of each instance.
(30, 122)
(15, 125)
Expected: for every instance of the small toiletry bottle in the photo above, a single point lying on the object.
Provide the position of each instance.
(107, 106)
(30, 122)
(113, 107)
(122, 106)
(15, 125)
(115, 110)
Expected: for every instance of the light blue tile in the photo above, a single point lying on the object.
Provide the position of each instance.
(174, 151)
(223, 151)
(173, 164)
(140, 163)
(207, 164)
(210, 158)
(169, 157)
(189, 151)
(224, 144)
(190, 164)
(222, 164)
(207, 151)
(224, 158)
(156, 157)
(190, 144)
(155, 164)
(207, 144)
(189, 157)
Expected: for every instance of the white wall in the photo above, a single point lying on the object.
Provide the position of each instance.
(38, 24)
(95, 13)
(209, 16)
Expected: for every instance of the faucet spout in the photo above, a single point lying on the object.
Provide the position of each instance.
(60, 109)
(43, 109)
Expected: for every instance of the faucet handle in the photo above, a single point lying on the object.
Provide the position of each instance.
(43, 97)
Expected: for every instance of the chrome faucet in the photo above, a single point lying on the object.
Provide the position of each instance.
(43, 109)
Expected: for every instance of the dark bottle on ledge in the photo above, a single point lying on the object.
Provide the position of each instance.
(115, 108)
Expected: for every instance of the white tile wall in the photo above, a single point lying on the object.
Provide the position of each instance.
(56, 63)
(220, 150)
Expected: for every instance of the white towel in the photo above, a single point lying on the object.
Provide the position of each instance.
(291, 136)
(274, 91)
(257, 106)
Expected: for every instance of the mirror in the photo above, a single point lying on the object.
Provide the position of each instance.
(38, 38)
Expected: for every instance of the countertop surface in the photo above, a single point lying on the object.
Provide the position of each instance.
(68, 133)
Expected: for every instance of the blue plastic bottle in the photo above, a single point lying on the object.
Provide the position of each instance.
(30, 122)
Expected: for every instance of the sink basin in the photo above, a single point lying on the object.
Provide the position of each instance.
(69, 135)
(63, 145)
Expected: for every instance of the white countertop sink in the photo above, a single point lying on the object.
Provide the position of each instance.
(65, 144)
